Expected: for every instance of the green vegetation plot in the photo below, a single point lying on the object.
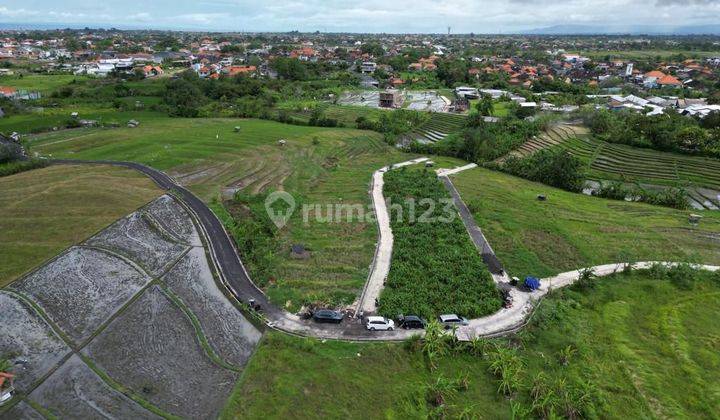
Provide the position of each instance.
(207, 152)
(44, 84)
(569, 231)
(289, 377)
(435, 268)
(642, 343)
(637, 345)
(44, 211)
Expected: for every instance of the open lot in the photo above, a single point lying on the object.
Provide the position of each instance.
(230, 335)
(643, 346)
(81, 288)
(75, 391)
(46, 210)
(318, 166)
(152, 348)
(207, 155)
(28, 339)
(569, 230)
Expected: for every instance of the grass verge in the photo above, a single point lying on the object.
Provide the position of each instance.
(46, 210)
(569, 231)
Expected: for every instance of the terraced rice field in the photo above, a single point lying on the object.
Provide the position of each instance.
(437, 128)
(207, 155)
(554, 136)
(607, 161)
(617, 161)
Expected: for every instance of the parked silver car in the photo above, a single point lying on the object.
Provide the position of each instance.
(452, 320)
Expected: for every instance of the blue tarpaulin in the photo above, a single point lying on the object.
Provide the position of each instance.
(532, 283)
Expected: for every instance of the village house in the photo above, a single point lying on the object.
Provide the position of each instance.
(236, 70)
(152, 71)
(8, 92)
(390, 98)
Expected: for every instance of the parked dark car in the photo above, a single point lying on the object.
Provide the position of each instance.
(412, 322)
(327, 315)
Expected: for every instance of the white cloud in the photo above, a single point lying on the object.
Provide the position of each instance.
(17, 13)
(365, 16)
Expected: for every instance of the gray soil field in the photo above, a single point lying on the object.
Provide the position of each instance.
(22, 411)
(138, 238)
(367, 98)
(232, 336)
(149, 346)
(152, 348)
(74, 391)
(418, 100)
(174, 218)
(28, 342)
(425, 101)
(82, 288)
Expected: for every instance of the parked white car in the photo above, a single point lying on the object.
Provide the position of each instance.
(378, 323)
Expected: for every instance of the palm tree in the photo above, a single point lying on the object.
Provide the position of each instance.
(435, 344)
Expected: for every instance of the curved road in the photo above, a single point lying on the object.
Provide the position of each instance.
(235, 277)
(232, 271)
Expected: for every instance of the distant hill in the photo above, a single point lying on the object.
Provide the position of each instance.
(626, 29)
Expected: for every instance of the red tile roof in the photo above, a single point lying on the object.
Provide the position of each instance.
(669, 81)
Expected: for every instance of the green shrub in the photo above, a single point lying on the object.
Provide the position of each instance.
(11, 168)
(553, 167)
(683, 276)
(435, 267)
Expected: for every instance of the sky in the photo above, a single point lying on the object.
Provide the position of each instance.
(399, 16)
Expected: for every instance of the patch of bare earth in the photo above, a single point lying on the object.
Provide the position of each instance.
(82, 288)
(74, 391)
(152, 348)
(28, 342)
(231, 335)
(140, 239)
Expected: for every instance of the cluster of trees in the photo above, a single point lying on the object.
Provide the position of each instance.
(669, 197)
(12, 160)
(190, 96)
(393, 123)
(295, 70)
(435, 267)
(670, 131)
(9, 151)
(553, 167)
(481, 141)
